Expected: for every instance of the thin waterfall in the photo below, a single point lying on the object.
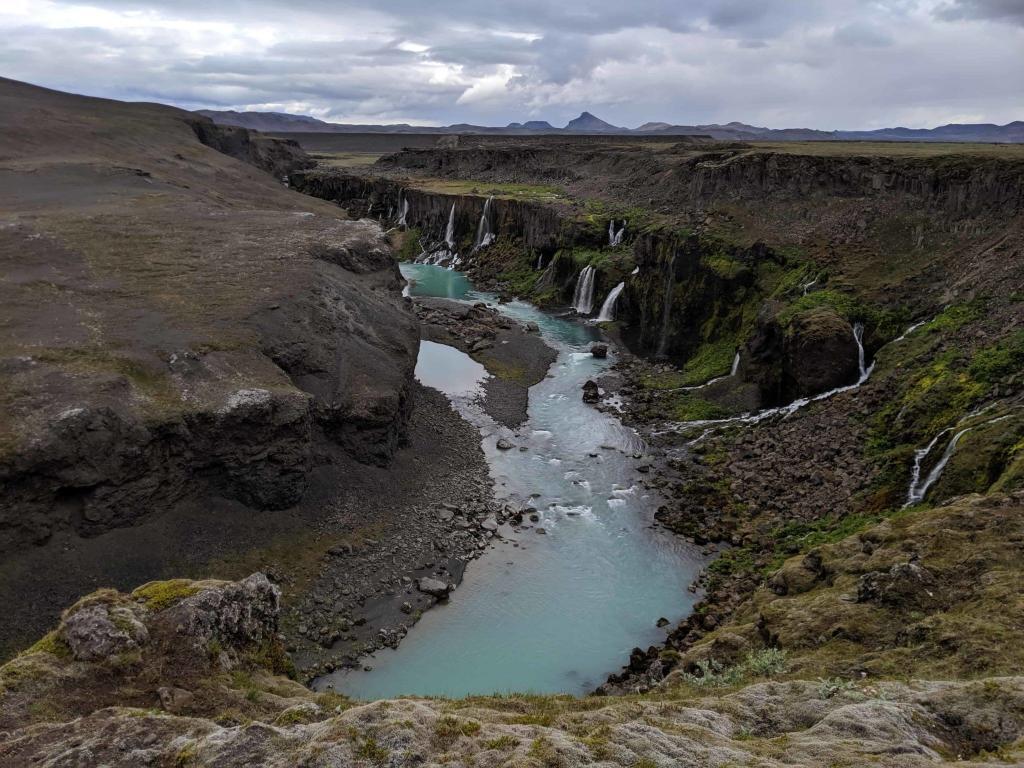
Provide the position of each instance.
(636, 270)
(916, 493)
(540, 261)
(607, 313)
(485, 231)
(858, 336)
(403, 209)
(583, 298)
(783, 410)
(666, 312)
(732, 372)
(449, 233)
(615, 238)
(918, 490)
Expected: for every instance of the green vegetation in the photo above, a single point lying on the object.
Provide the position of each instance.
(503, 743)
(369, 749)
(767, 662)
(449, 729)
(158, 595)
(537, 192)
(407, 244)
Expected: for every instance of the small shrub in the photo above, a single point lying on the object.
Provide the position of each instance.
(504, 743)
(833, 686)
(370, 750)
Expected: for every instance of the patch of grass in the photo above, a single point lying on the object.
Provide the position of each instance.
(1005, 357)
(448, 729)
(503, 743)
(407, 244)
(369, 749)
(544, 752)
(710, 360)
(158, 595)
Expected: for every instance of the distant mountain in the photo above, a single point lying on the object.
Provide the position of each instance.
(591, 124)
(282, 122)
(533, 125)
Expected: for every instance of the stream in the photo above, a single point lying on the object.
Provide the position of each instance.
(557, 606)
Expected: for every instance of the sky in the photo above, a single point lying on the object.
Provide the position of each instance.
(827, 64)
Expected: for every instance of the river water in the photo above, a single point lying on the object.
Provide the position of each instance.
(542, 612)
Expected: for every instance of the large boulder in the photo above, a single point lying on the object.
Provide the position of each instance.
(96, 630)
(802, 355)
(234, 613)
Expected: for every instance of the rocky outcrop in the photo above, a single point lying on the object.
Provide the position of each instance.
(278, 157)
(811, 352)
(203, 689)
(216, 334)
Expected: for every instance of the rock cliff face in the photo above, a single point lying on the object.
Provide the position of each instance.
(175, 322)
(688, 176)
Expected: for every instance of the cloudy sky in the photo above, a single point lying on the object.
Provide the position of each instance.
(826, 64)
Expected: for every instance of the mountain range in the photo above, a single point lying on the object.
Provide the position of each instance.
(586, 123)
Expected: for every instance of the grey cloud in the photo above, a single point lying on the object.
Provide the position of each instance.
(862, 35)
(992, 10)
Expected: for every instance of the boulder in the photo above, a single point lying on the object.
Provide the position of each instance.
(504, 445)
(234, 613)
(591, 393)
(599, 350)
(434, 587)
(99, 630)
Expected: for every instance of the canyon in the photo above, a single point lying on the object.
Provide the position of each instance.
(218, 411)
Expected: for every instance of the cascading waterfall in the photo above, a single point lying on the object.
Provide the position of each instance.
(783, 410)
(918, 489)
(443, 254)
(732, 372)
(484, 231)
(607, 313)
(858, 335)
(583, 298)
(403, 209)
(449, 233)
(615, 238)
(666, 312)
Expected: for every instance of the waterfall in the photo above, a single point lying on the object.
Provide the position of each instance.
(666, 312)
(636, 271)
(784, 410)
(858, 336)
(403, 209)
(732, 372)
(540, 261)
(484, 231)
(583, 298)
(607, 313)
(449, 233)
(615, 238)
(916, 492)
(807, 286)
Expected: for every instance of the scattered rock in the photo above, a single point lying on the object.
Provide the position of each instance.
(599, 350)
(591, 393)
(434, 587)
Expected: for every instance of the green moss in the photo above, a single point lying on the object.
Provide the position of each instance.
(1002, 359)
(158, 595)
(50, 643)
(710, 360)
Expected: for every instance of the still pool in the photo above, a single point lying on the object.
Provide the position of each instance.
(543, 612)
